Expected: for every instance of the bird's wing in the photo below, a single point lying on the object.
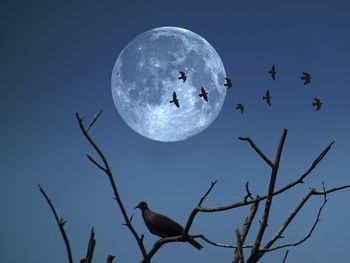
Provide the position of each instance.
(165, 226)
(174, 96)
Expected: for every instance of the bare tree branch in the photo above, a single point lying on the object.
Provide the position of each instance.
(281, 190)
(207, 193)
(262, 155)
(106, 168)
(60, 222)
(239, 256)
(285, 256)
(217, 244)
(249, 194)
(96, 163)
(110, 259)
(91, 248)
(268, 202)
(312, 192)
(248, 221)
(96, 116)
(196, 209)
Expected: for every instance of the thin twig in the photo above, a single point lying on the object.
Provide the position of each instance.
(94, 120)
(249, 194)
(196, 209)
(206, 194)
(110, 259)
(216, 244)
(60, 222)
(262, 155)
(285, 256)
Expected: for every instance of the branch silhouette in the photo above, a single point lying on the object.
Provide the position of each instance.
(60, 222)
(257, 250)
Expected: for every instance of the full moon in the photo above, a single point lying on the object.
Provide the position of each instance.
(146, 74)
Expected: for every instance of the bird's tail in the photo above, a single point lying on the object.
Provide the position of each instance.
(195, 244)
(201, 95)
(171, 101)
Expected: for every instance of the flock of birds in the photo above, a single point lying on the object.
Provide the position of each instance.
(305, 77)
(203, 94)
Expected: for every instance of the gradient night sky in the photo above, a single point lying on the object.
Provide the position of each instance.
(56, 58)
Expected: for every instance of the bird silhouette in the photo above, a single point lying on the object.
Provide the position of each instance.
(175, 100)
(182, 76)
(204, 94)
(162, 226)
(267, 97)
(317, 104)
(228, 83)
(272, 72)
(306, 77)
(240, 107)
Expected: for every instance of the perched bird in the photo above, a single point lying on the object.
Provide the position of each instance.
(204, 94)
(317, 104)
(240, 107)
(161, 225)
(175, 100)
(267, 97)
(182, 76)
(272, 72)
(306, 77)
(228, 83)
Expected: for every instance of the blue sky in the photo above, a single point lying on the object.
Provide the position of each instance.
(57, 58)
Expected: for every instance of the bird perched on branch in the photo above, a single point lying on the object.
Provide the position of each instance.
(182, 76)
(306, 77)
(161, 225)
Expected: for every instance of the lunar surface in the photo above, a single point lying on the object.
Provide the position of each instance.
(145, 76)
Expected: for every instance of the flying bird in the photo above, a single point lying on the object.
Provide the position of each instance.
(317, 104)
(240, 107)
(175, 100)
(182, 76)
(228, 83)
(204, 94)
(306, 77)
(272, 72)
(162, 226)
(267, 97)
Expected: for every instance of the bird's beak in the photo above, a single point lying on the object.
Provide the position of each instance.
(138, 206)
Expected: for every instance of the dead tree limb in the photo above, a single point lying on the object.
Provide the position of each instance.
(91, 248)
(285, 256)
(268, 202)
(107, 170)
(60, 222)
